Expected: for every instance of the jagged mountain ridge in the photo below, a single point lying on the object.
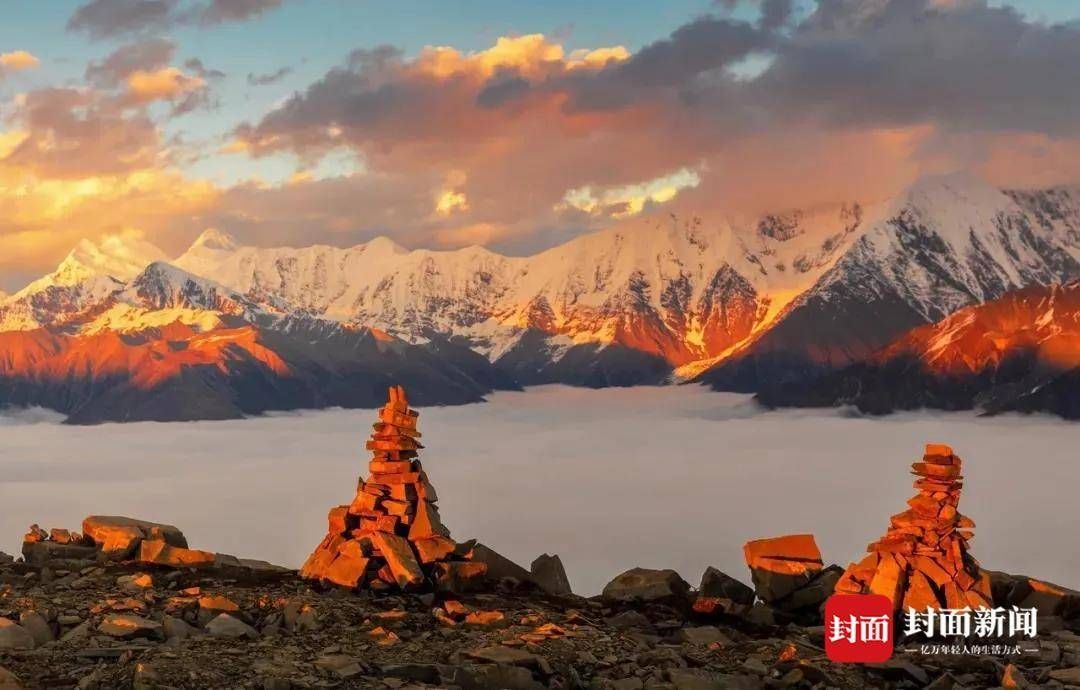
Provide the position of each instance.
(170, 346)
(944, 244)
(677, 291)
(1019, 352)
(89, 274)
(742, 305)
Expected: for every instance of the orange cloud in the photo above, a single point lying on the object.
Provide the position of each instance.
(531, 55)
(165, 84)
(41, 218)
(17, 60)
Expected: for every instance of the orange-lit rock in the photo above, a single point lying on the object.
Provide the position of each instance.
(781, 565)
(119, 537)
(432, 549)
(459, 576)
(401, 559)
(160, 552)
(391, 534)
(923, 561)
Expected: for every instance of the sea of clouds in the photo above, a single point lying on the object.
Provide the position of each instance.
(676, 477)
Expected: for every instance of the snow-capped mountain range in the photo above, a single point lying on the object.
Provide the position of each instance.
(945, 243)
(739, 304)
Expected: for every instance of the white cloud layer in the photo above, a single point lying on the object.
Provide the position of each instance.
(659, 477)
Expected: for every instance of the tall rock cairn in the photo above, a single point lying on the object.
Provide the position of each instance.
(923, 560)
(391, 534)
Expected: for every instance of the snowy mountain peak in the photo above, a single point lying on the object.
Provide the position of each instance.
(118, 256)
(384, 244)
(934, 194)
(162, 285)
(214, 239)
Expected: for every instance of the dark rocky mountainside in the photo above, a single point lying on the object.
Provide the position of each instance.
(945, 244)
(1020, 352)
(176, 373)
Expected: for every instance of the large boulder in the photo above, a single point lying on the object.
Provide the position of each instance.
(118, 537)
(1027, 592)
(44, 552)
(14, 636)
(547, 571)
(781, 565)
(127, 626)
(498, 566)
(719, 585)
(459, 577)
(248, 569)
(160, 552)
(644, 584)
(8, 680)
(224, 625)
(39, 628)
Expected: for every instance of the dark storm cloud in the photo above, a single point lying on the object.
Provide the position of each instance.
(109, 18)
(197, 67)
(670, 66)
(269, 78)
(105, 18)
(142, 74)
(502, 89)
(218, 11)
(776, 13)
(964, 65)
(147, 55)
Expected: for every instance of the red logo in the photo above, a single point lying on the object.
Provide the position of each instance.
(858, 628)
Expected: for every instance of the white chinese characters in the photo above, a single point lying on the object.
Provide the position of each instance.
(860, 629)
(982, 622)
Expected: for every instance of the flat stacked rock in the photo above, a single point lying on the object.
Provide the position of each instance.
(391, 534)
(115, 538)
(923, 560)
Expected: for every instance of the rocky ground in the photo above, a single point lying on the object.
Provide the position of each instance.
(124, 625)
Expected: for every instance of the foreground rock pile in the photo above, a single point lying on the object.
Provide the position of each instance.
(923, 560)
(128, 604)
(115, 625)
(391, 533)
(107, 538)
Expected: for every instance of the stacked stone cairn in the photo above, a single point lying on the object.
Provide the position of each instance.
(391, 534)
(923, 560)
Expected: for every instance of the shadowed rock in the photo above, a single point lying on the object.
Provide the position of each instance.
(717, 584)
(498, 565)
(547, 571)
(644, 584)
(781, 565)
(14, 636)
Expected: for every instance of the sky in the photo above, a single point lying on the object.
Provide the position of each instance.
(511, 125)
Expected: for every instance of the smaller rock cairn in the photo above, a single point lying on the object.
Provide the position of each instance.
(391, 533)
(923, 560)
